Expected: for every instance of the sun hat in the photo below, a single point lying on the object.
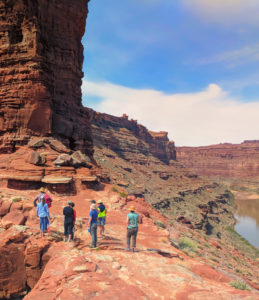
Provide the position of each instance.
(42, 189)
(93, 201)
(132, 208)
(99, 201)
(69, 202)
(93, 206)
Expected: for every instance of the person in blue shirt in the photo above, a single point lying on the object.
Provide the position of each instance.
(92, 224)
(132, 228)
(43, 214)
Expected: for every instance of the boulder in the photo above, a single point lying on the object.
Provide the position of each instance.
(63, 160)
(36, 142)
(79, 159)
(16, 206)
(35, 158)
(58, 146)
(14, 217)
(5, 207)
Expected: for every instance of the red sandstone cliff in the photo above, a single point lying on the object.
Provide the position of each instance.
(41, 58)
(226, 160)
(128, 138)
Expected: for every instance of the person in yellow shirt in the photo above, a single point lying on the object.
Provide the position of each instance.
(102, 212)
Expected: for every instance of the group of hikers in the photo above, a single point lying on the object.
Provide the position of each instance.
(97, 219)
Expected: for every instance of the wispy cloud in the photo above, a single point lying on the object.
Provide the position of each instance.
(246, 54)
(206, 117)
(226, 11)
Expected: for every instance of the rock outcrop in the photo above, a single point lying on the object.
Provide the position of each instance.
(128, 138)
(225, 160)
(41, 58)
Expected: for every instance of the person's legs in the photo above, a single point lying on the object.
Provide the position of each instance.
(42, 226)
(69, 231)
(101, 223)
(93, 231)
(129, 233)
(134, 238)
(65, 232)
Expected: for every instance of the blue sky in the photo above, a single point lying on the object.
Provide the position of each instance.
(194, 62)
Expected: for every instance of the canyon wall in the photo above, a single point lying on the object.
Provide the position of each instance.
(128, 138)
(41, 59)
(225, 160)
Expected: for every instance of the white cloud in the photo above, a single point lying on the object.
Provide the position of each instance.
(226, 11)
(194, 119)
(249, 53)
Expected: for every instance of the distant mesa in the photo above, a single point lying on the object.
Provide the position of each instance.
(226, 160)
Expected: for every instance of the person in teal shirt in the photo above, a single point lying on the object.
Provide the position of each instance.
(132, 228)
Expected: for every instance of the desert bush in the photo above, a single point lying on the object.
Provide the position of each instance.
(186, 243)
(240, 285)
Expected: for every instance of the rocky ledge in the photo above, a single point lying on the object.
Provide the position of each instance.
(171, 261)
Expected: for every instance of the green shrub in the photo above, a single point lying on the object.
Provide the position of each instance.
(186, 243)
(123, 194)
(240, 285)
(114, 189)
(16, 200)
(160, 224)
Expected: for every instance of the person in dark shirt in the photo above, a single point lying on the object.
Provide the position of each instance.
(92, 224)
(73, 232)
(68, 212)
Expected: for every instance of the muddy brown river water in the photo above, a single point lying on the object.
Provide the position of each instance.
(247, 215)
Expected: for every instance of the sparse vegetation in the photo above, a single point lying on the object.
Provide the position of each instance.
(188, 244)
(114, 189)
(240, 285)
(16, 200)
(123, 194)
(159, 224)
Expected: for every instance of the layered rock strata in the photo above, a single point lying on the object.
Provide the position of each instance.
(142, 163)
(225, 160)
(41, 58)
(128, 138)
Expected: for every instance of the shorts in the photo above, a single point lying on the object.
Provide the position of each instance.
(68, 228)
(101, 221)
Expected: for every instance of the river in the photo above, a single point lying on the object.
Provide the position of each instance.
(247, 215)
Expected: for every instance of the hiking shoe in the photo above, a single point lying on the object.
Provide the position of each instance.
(127, 249)
(132, 250)
(91, 246)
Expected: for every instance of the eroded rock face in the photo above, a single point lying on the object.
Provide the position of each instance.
(128, 138)
(226, 160)
(41, 58)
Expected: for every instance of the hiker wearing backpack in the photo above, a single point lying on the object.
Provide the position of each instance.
(47, 197)
(133, 220)
(102, 212)
(43, 214)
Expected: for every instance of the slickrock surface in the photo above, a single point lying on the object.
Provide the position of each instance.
(58, 270)
(41, 58)
(225, 160)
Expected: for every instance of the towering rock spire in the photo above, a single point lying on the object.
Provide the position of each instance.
(41, 59)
